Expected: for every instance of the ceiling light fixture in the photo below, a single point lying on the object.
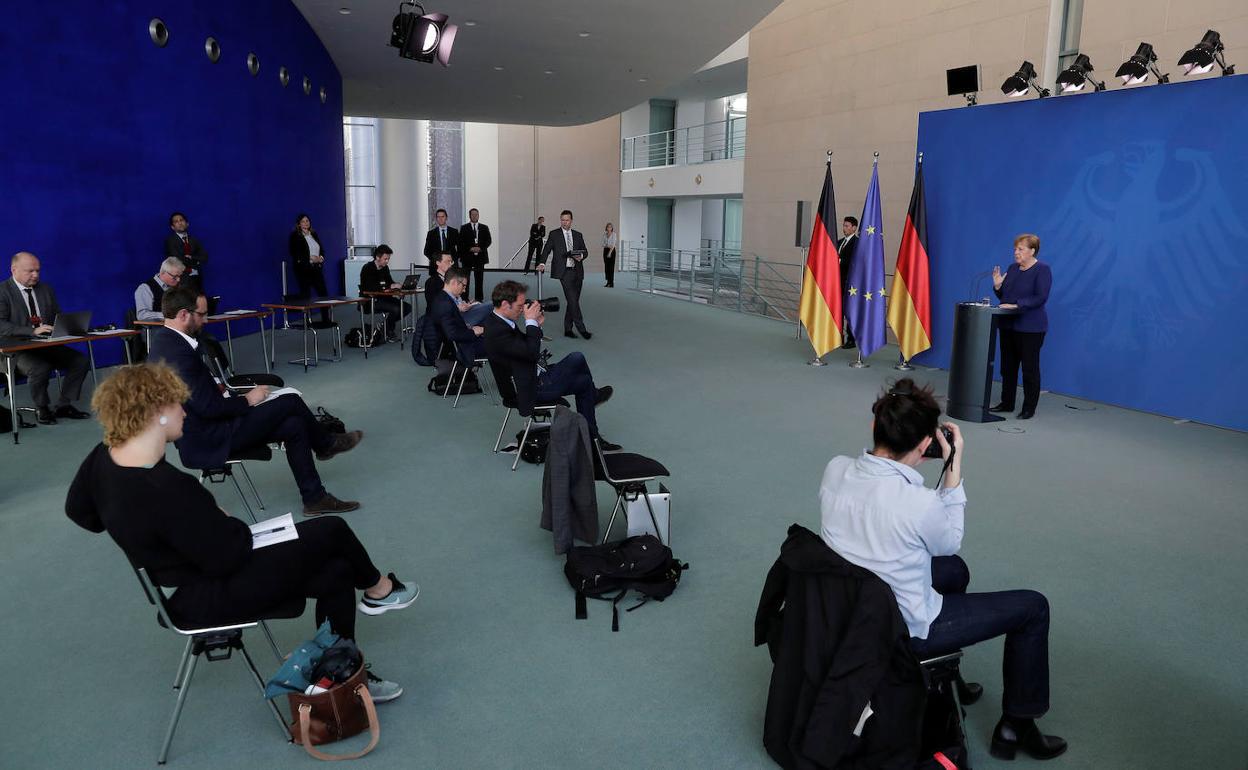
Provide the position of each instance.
(642, 80)
(582, 34)
(1078, 75)
(1137, 69)
(470, 23)
(345, 11)
(423, 37)
(498, 68)
(548, 72)
(1021, 82)
(1204, 55)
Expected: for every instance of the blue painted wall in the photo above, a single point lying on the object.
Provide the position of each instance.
(105, 134)
(1140, 198)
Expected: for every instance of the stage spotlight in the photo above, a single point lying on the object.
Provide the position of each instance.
(1207, 52)
(422, 37)
(1136, 69)
(1078, 75)
(1022, 81)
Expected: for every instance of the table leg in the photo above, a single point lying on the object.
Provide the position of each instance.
(305, 341)
(229, 341)
(264, 347)
(372, 311)
(147, 330)
(12, 383)
(125, 347)
(95, 381)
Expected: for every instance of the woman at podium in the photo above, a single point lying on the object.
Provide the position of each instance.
(1025, 286)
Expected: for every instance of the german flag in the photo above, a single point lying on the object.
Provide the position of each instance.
(820, 305)
(910, 307)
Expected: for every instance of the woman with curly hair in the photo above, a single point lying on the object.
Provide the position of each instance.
(166, 522)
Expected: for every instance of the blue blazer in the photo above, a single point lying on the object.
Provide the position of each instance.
(449, 321)
(211, 418)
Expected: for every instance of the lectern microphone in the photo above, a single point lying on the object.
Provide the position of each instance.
(974, 295)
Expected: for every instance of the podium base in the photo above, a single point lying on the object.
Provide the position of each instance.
(974, 413)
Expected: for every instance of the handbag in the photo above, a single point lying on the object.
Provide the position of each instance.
(330, 422)
(344, 710)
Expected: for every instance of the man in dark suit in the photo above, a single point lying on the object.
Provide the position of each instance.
(846, 248)
(217, 427)
(537, 233)
(516, 353)
(474, 252)
(474, 312)
(28, 310)
(440, 240)
(568, 249)
(444, 312)
(187, 248)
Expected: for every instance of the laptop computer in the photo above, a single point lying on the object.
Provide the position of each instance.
(70, 325)
(412, 281)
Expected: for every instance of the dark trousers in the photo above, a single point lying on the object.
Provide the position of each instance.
(964, 619)
(608, 263)
(392, 310)
(287, 419)
(476, 277)
(326, 563)
(1021, 348)
(312, 277)
(38, 366)
(533, 249)
(573, 279)
(571, 377)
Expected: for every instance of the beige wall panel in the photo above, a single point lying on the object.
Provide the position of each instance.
(515, 189)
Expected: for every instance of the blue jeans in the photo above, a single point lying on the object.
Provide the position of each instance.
(964, 619)
(571, 377)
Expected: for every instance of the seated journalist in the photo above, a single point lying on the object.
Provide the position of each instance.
(148, 295)
(516, 353)
(168, 523)
(444, 312)
(375, 276)
(878, 514)
(474, 312)
(218, 425)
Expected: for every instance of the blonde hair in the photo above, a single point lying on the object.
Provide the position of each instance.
(1032, 241)
(125, 402)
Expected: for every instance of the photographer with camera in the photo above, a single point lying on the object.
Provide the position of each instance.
(517, 353)
(877, 514)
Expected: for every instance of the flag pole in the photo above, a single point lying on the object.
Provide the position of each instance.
(816, 361)
(858, 363)
(903, 364)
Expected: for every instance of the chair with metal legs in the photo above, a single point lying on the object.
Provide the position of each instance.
(262, 453)
(213, 643)
(507, 392)
(306, 324)
(628, 474)
(466, 366)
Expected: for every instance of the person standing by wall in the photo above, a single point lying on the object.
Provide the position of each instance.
(610, 244)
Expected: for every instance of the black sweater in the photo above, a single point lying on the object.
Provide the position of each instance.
(161, 517)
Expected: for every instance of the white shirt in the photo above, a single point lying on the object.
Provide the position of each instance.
(877, 514)
(194, 343)
(22, 291)
(608, 240)
(314, 248)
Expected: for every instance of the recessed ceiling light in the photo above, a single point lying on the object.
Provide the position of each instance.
(470, 24)
(582, 34)
(549, 72)
(498, 69)
(519, 96)
(345, 11)
(642, 80)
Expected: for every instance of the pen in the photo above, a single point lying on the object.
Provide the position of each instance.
(268, 531)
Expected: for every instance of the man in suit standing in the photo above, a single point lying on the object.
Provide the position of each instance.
(846, 248)
(187, 248)
(537, 233)
(28, 309)
(516, 353)
(474, 245)
(568, 247)
(440, 240)
(217, 426)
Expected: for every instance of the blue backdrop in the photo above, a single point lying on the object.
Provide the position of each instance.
(1139, 197)
(106, 134)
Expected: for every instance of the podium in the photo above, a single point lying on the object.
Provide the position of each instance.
(971, 363)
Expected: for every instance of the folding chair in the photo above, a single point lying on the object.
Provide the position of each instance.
(507, 391)
(469, 366)
(214, 643)
(628, 474)
(306, 324)
(262, 453)
(941, 675)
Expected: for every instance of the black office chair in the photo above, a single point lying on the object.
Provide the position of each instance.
(628, 474)
(262, 453)
(507, 392)
(219, 364)
(214, 643)
(315, 327)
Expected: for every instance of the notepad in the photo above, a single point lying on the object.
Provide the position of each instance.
(278, 529)
(279, 392)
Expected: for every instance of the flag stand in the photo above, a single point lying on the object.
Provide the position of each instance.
(816, 362)
(859, 363)
(903, 365)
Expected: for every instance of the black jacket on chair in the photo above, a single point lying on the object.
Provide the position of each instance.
(838, 642)
(513, 353)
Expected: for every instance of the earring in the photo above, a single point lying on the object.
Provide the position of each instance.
(164, 420)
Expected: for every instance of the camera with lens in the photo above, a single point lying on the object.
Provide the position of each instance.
(548, 305)
(933, 449)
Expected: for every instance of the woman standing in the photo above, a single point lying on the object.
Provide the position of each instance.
(609, 244)
(1025, 286)
(309, 263)
(166, 522)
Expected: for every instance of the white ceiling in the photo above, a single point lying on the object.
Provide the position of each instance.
(635, 50)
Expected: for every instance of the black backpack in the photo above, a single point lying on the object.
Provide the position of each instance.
(611, 570)
(437, 385)
(355, 338)
(536, 446)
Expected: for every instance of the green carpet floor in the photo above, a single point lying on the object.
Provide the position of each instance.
(1132, 525)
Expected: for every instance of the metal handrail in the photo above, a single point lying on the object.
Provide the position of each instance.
(523, 246)
(688, 145)
(718, 277)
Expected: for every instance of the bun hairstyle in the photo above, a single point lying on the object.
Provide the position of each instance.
(905, 415)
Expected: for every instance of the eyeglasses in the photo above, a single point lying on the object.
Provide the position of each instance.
(203, 313)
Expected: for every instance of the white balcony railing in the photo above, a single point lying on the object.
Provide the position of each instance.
(722, 140)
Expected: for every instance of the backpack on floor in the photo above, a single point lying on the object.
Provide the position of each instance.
(536, 446)
(609, 571)
(437, 385)
(355, 338)
(943, 739)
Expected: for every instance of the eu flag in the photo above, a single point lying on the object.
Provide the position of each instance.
(864, 301)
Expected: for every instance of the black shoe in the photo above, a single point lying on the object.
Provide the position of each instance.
(1014, 734)
(1001, 407)
(1027, 414)
(329, 504)
(969, 692)
(44, 416)
(71, 412)
(570, 333)
(603, 395)
(607, 446)
(343, 442)
(586, 333)
(608, 286)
